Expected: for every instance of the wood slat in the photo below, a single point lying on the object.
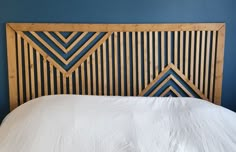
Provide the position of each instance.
(32, 72)
(122, 63)
(77, 83)
(207, 65)
(219, 65)
(12, 67)
(151, 55)
(45, 76)
(176, 48)
(197, 59)
(169, 47)
(192, 55)
(156, 54)
(89, 76)
(113, 27)
(110, 67)
(64, 79)
(51, 79)
(27, 79)
(128, 63)
(99, 71)
(186, 71)
(162, 50)
(58, 82)
(39, 80)
(134, 63)
(145, 51)
(105, 82)
(70, 84)
(202, 60)
(181, 51)
(139, 63)
(213, 54)
(82, 79)
(20, 73)
(116, 62)
(94, 75)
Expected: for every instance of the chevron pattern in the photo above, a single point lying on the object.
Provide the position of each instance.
(126, 60)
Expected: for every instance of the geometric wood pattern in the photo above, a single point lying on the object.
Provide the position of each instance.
(115, 59)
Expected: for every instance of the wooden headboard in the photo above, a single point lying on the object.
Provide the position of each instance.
(115, 59)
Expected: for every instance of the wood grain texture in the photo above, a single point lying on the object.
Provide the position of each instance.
(219, 65)
(12, 67)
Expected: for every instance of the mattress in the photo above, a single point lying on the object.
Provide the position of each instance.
(74, 123)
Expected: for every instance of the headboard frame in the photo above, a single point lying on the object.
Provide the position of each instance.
(115, 59)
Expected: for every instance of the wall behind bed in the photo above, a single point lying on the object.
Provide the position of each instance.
(122, 11)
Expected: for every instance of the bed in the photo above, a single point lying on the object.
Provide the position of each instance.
(116, 87)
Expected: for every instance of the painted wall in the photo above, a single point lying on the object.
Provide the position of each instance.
(123, 11)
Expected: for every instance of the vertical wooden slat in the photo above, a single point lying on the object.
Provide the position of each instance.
(104, 68)
(197, 59)
(110, 67)
(128, 63)
(94, 75)
(207, 65)
(39, 74)
(99, 72)
(212, 65)
(89, 76)
(77, 80)
(27, 84)
(202, 60)
(186, 54)
(145, 59)
(32, 72)
(162, 51)
(176, 48)
(169, 47)
(122, 63)
(82, 79)
(45, 71)
(192, 55)
(70, 84)
(51, 79)
(20, 73)
(151, 56)
(58, 82)
(181, 51)
(134, 63)
(156, 53)
(12, 67)
(116, 63)
(64, 84)
(219, 65)
(139, 63)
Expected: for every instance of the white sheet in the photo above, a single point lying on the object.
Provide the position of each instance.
(118, 124)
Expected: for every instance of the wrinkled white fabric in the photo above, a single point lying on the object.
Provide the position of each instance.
(73, 123)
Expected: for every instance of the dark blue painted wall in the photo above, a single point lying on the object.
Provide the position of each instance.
(123, 11)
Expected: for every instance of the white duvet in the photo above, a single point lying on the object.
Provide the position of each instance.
(118, 124)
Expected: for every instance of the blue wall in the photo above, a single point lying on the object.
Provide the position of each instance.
(123, 11)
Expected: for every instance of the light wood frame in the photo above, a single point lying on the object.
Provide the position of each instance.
(138, 55)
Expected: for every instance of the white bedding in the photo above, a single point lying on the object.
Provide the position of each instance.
(118, 124)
